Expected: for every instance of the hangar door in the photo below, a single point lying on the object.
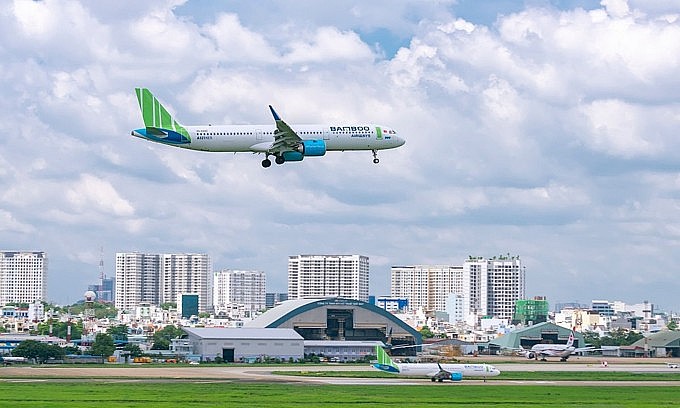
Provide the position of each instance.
(228, 355)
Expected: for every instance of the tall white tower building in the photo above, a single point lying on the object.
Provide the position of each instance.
(161, 278)
(482, 287)
(186, 273)
(319, 276)
(493, 286)
(137, 280)
(23, 277)
(247, 288)
(427, 287)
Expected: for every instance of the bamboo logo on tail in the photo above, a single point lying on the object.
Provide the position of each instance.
(384, 361)
(160, 126)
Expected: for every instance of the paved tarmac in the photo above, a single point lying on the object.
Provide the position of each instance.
(264, 374)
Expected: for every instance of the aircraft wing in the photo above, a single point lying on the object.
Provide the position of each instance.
(442, 374)
(285, 138)
(582, 349)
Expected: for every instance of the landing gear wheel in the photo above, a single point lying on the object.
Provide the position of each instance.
(280, 160)
(376, 161)
(432, 379)
(375, 157)
(266, 163)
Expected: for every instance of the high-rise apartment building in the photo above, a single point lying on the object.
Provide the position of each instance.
(319, 276)
(500, 284)
(426, 286)
(247, 288)
(23, 277)
(161, 278)
(483, 287)
(186, 273)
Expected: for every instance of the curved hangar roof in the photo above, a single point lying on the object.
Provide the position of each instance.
(303, 313)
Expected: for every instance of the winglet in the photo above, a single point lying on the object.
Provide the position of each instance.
(276, 115)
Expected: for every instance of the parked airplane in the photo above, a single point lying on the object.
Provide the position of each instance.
(285, 143)
(436, 372)
(563, 351)
(7, 360)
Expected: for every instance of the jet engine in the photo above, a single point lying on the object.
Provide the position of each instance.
(305, 148)
(456, 376)
(531, 355)
(316, 147)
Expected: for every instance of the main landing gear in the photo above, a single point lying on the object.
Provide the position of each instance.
(376, 160)
(266, 162)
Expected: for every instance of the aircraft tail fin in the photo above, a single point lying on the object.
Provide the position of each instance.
(570, 342)
(158, 121)
(384, 363)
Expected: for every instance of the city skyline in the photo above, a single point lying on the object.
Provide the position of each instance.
(543, 128)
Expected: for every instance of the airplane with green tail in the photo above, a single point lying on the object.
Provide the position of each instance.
(285, 143)
(435, 371)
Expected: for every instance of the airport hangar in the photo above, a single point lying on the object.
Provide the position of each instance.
(345, 329)
(541, 333)
(337, 328)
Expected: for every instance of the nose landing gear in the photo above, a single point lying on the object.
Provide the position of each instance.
(375, 157)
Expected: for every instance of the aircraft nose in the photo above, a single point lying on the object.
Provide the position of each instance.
(400, 141)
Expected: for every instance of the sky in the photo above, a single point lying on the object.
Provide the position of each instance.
(542, 129)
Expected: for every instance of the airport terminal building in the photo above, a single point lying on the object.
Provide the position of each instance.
(340, 321)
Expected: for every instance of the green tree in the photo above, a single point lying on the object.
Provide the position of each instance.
(60, 329)
(620, 337)
(71, 350)
(169, 305)
(426, 332)
(103, 345)
(592, 339)
(133, 349)
(101, 310)
(119, 332)
(38, 351)
(672, 325)
(162, 338)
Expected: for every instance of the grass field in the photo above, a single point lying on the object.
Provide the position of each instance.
(241, 394)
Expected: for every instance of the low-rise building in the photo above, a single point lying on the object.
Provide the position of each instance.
(342, 351)
(244, 344)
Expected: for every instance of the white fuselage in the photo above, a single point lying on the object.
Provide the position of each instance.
(259, 138)
(431, 369)
(552, 350)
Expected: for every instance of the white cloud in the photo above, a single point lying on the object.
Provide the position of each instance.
(328, 45)
(92, 193)
(550, 134)
(8, 223)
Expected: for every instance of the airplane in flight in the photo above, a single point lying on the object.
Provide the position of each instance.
(563, 351)
(436, 372)
(286, 143)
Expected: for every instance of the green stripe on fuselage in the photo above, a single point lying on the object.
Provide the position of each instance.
(378, 132)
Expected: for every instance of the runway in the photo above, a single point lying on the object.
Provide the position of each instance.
(265, 374)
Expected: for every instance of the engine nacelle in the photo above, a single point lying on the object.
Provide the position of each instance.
(316, 147)
(456, 376)
(531, 356)
(293, 155)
